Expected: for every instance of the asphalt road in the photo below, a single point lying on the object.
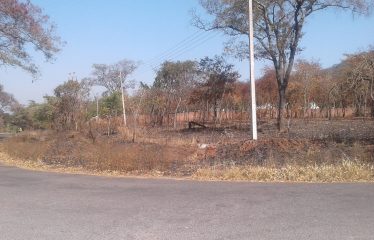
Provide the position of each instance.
(36, 205)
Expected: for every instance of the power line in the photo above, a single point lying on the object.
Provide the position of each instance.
(186, 43)
(195, 45)
(188, 47)
(189, 38)
(189, 43)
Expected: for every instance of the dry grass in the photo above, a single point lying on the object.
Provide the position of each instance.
(283, 160)
(30, 146)
(137, 157)
(155, 136)
(157, 154)
(346, 171)
(41, 166)
(72, 150)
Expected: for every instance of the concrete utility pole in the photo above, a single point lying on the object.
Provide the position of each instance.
(123, 100)
(97, 108)
(252, 72)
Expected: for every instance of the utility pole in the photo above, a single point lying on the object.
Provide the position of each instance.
(252, 72)
(97, 108)
(123, 100)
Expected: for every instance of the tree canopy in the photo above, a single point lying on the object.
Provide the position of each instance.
(23, 26)
(112, 77)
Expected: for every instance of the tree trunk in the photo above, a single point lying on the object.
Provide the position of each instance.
(305, 104)
(215, 106)
(109, 126)
(123, 105)
(162, 117)
(281, 105)
(176, 113)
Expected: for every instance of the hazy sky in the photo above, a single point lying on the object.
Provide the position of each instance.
(106, 31)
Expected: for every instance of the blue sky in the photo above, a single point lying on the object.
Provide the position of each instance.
(98, 31)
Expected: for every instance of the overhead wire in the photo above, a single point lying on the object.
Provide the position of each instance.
(183, 48)
(179, 44)
(182, 52)
(189, 43)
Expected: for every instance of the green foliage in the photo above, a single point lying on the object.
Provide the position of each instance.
(111, 106)
(174, 76)
(62, 111)
(70, 99)
(34, 115)
(43, 115)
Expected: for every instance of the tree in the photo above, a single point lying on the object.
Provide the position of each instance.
(114, 78)
(108, 76)
(111, 105)
(308, 74)
(8, 104)
(175, 80)
(215, 74)
(362, 77)
(294, 97)
(240, 96)
(7, 101)
(34, 115)
(266, 90)
(278, 26)
(354, 81)
(24, 26)
(69, 101)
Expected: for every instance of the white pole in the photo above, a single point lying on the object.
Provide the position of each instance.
(97, 108)
(123, 100)
(252, 73)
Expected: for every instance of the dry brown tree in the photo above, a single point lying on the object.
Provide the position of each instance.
(23, 26)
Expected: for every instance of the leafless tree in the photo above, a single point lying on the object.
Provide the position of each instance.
(361, 80)
(307, 73)
(108, 76)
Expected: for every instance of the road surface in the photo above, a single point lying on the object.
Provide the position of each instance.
(37, 205)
